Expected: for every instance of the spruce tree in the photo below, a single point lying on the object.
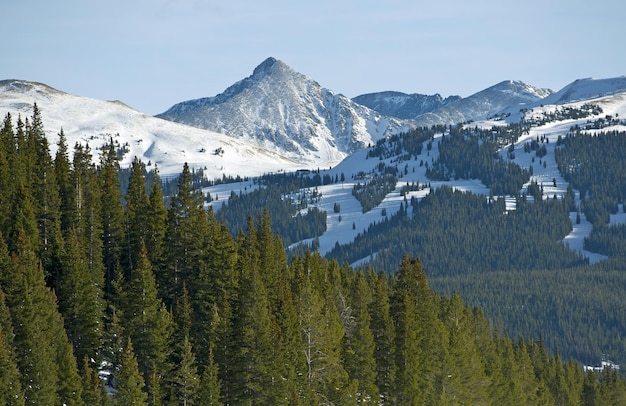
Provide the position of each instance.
(137, 216)
(156, 227)
(146, 320)
(252, 377)
(209, 392)
(44, 187)
(461, 375)
(359, 344)
(383, 331)
(186, 380)
(417, 329)
(87, 216)
(187, 223)
(7, 149)
(111, 211)
(92, 385)
(44, 356)
(129, 387)
(321, 332)
(63, 172)
(80, 301)
(11, 392)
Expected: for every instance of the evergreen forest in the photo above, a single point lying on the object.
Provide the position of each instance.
(110, 296)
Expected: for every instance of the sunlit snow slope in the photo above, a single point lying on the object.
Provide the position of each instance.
(153, 140)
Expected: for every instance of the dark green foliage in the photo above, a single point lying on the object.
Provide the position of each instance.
(129, 383)
(372, 192)
(146, 320)
(409, 143)
(480, 236)
(595, 165)
(473, 154)
(287, 216)
(607, 240)
(80, 301)
(11, 392)
(209, 392)
(186, 380)
(112, 212)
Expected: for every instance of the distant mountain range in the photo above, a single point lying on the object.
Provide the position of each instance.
(402, 105)
(277, 118)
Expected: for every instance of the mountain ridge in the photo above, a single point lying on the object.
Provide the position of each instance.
(277, 107)
(402, 105)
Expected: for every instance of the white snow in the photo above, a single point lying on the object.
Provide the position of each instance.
(161, 142)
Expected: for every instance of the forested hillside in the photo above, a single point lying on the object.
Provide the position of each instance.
(141, 303)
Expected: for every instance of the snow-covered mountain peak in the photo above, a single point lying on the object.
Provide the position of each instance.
(518, 89)
(25, 87)
(285, 111)
(267, 65)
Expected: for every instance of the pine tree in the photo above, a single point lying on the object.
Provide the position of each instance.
(23, 217)
(44, 187)
(11, 392)
(157, 226)
(209, 392)
(462, 376)
(7, 149)
(92, 385)
(383, 331)
(321, 332)
(63, 172)
(185, 237)
(111, 211)
(146, 320)
(137, 215)
(359, 346)
(590, 395)
(212, 288)
(129, 382)
(252, 377)
(87, 216)
(48, 369)
(80, 301)
(186, 380)
(417, 327)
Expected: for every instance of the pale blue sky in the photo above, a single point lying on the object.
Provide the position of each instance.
(152, 54)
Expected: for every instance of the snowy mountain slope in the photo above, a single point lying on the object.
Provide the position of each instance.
(343, 227)
(584, 89)
(479, 106)
(289, 113)
(402, 105)
(153, 140)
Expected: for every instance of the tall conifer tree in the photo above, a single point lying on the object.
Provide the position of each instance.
(80, 301)
(129, 382)
(146, 320)
(111, 211)
(11, 392)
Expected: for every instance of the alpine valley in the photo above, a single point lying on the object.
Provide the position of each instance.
(512, 199)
